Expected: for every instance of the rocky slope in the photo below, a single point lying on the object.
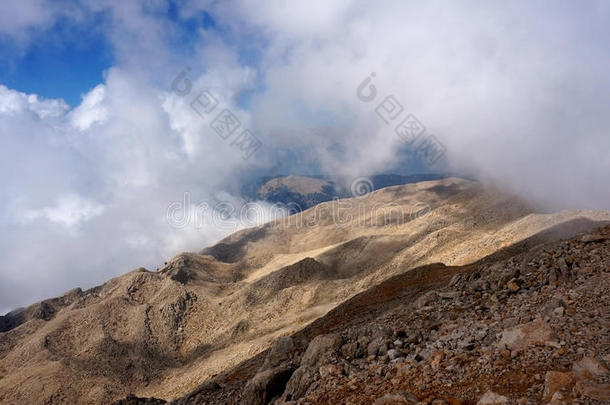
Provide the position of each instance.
(162, 334)
(527, 325)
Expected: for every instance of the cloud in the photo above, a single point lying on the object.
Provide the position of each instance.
(516, 92)
(16, 20)
(14, 102)
(90, 110)
(87, 190)
(70, 210)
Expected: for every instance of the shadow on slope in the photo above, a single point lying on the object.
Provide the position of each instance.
(370, 304)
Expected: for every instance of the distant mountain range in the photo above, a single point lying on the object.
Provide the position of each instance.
(299, 193)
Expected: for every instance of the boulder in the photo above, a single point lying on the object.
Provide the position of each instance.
(266, 385)
(592, 390)
(299, 383)
(491, 398)
(400, 398)
(556, 381)
(425, 299)
(377, 346)
(320, 346)
(522, 336)
(278, 353)
(590, 368)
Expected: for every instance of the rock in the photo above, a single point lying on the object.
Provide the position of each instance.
(522, 336)
(44, 311)
(552, 343)
(449, 295)
(556, 381)
(513, 286)
(593, 390)
(394, 354)
(436, 359)
(266, 385)
(314, 356)
(563, 266)
(425, 299)
(329, 370)
(589, 368)
(133, 400)
(593, 238)
(279, 353)
(350, 350)
(559, 311)
(377, 347)
(491, 398)
(320, 346)
(400, 398)
(557, 399)
(298, 384)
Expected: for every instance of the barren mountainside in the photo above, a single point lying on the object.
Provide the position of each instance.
(526, 325)
(165, 334)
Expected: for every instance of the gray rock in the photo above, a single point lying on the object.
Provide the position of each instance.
(279, 352)
(425, 299)
(394, 354)
(266, 385)
(491, 398)
(320, 346)
(377, 347)
(398, 398)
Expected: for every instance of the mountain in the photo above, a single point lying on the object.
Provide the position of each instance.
(525, 325)
(210, 317)
(298, 193)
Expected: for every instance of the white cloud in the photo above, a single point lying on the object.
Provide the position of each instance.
(91, 110)
(14, 102)
(70, 210)
(517, 92)
(16, 20)
(89, 188)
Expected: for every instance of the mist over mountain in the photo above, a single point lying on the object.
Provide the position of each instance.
(215, 191)
(297, 193)
(513, 94)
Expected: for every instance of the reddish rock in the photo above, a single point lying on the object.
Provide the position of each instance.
(556, 381)
(531, 333)
(590, 368)
(593, 390)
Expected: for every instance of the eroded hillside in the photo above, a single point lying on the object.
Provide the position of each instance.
(162, 334)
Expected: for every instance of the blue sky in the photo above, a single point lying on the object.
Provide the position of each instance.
(69, 58)
(65, 61)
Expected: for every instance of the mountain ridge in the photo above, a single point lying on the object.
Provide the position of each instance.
(161, 334)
